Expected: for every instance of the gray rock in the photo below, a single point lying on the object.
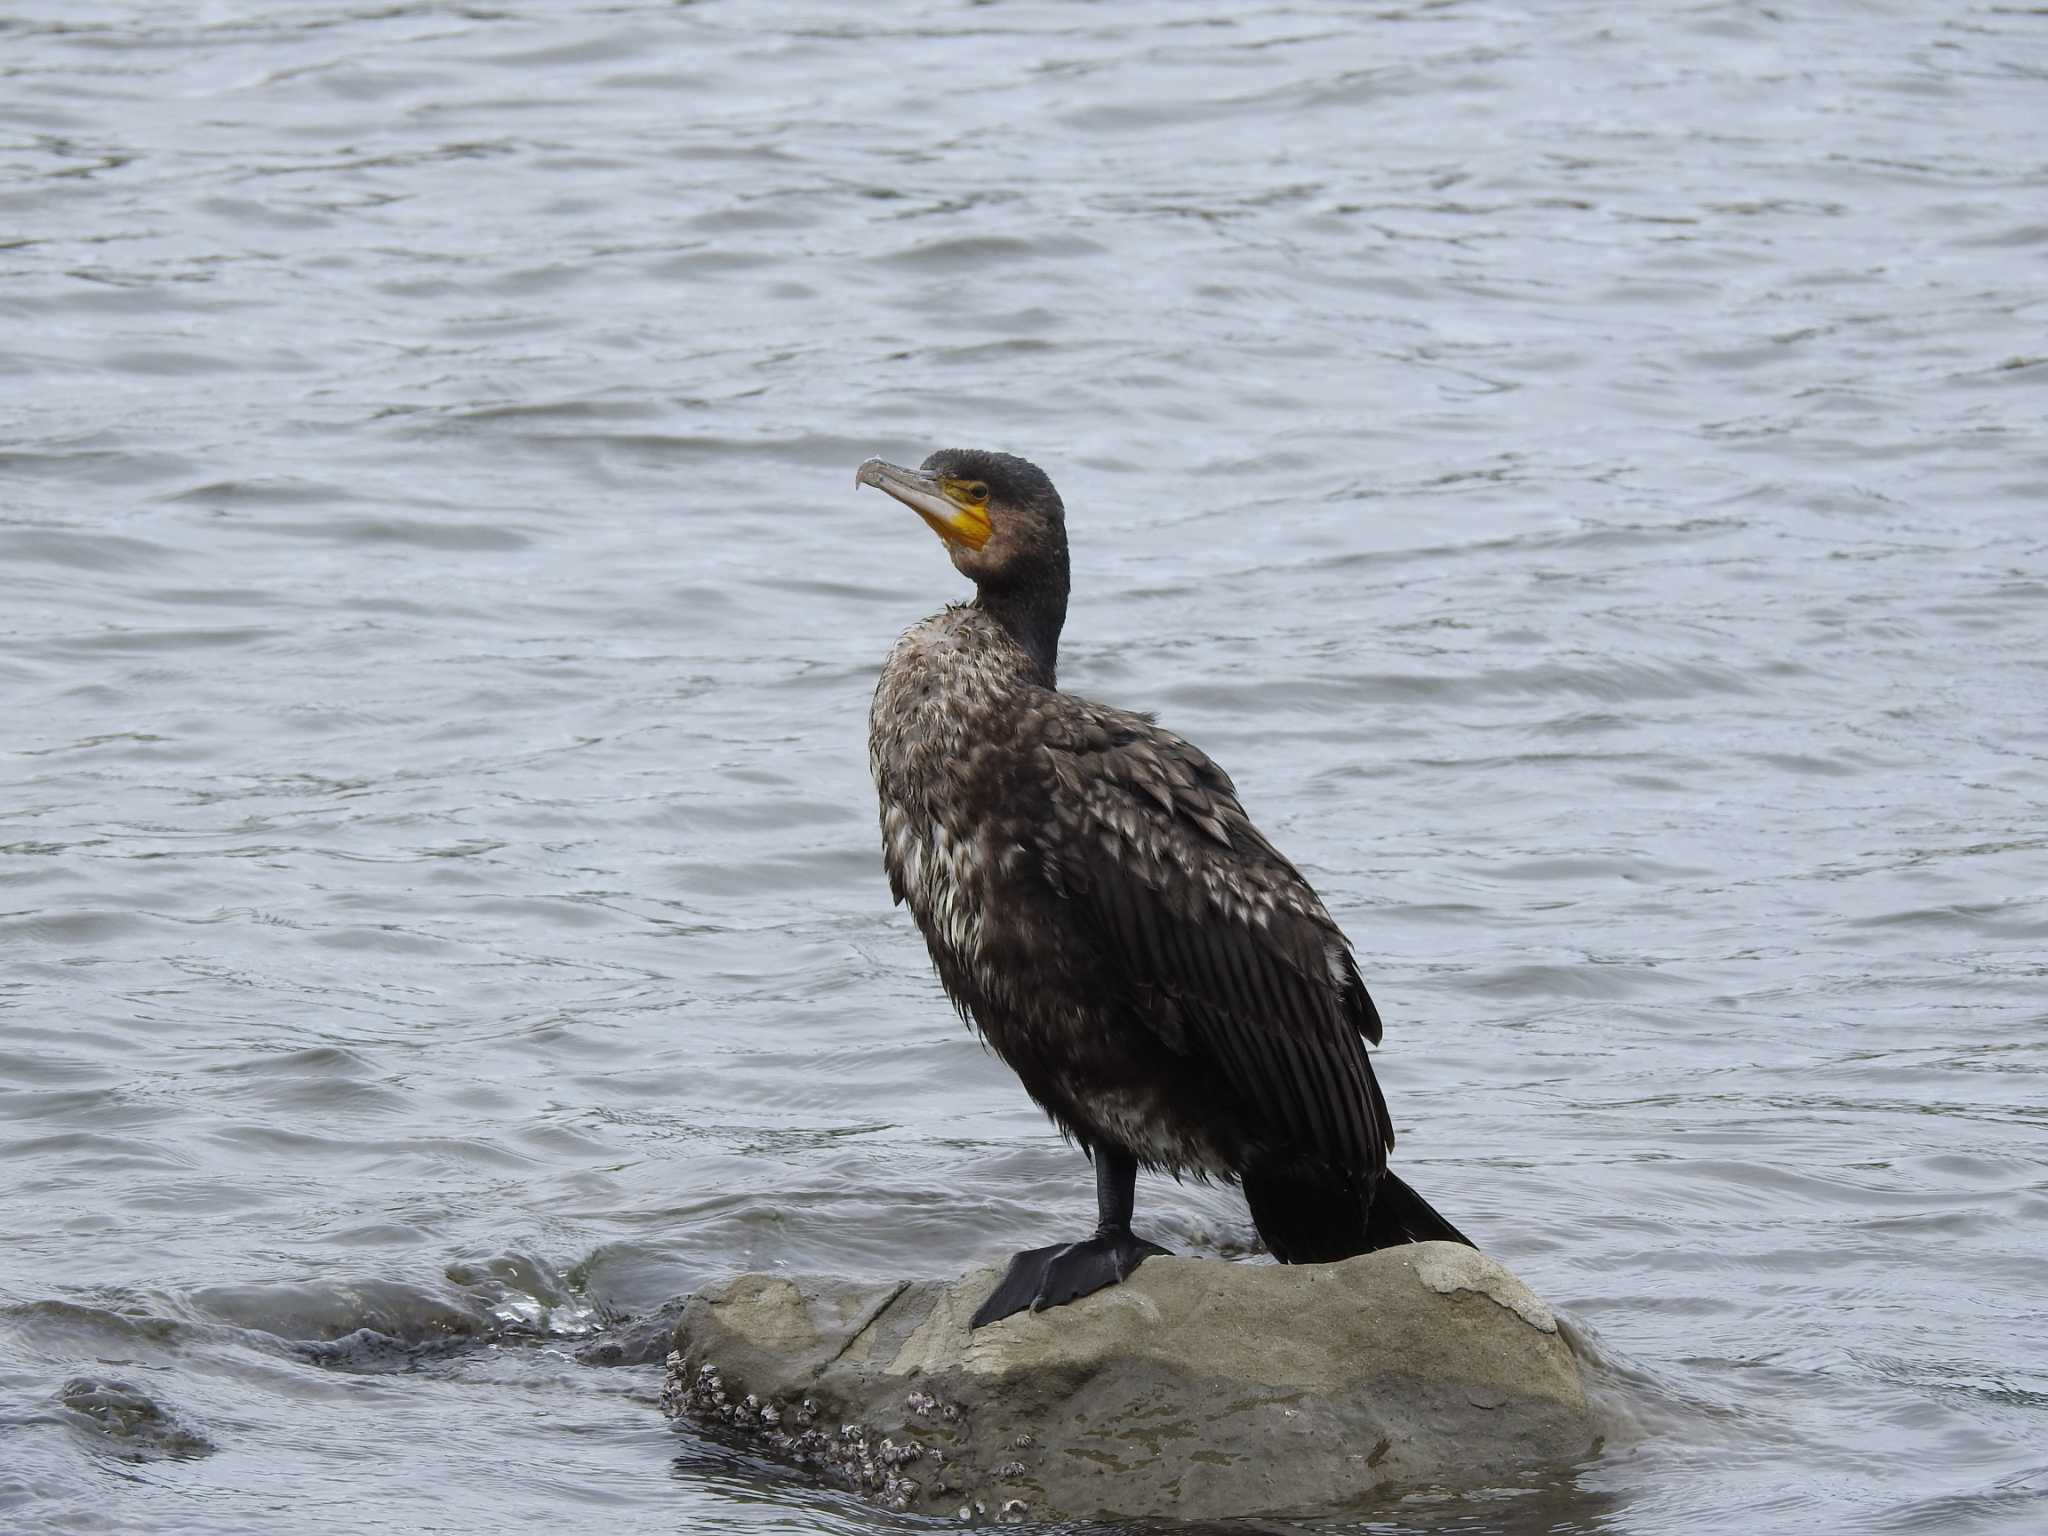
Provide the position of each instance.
(123, 1419)
(1196, 1388)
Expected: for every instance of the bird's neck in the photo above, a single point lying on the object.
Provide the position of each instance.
(1032, 610)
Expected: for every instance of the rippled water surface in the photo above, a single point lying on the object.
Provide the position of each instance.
(1581, 467)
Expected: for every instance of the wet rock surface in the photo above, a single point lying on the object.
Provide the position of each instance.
(121, 1418)
(1197, 1388)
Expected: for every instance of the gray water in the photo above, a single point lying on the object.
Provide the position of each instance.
(1582, 469)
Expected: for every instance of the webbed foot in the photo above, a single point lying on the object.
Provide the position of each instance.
(1052, 1277)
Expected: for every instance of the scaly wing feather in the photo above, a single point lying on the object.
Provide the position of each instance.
(1228, 953)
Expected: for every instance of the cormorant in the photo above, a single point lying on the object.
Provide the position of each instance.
(1099, 906)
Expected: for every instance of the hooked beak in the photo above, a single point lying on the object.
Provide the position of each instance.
(932, 498)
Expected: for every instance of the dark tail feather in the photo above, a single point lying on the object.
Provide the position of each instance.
(1317, 1221)
(1399, 1215)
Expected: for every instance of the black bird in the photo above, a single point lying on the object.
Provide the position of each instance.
(1100, 907)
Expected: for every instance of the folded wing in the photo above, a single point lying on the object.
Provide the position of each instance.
(1226, 953)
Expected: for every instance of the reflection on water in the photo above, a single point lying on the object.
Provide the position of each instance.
(1580, 471)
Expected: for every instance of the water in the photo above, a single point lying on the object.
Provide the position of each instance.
(1581, 468)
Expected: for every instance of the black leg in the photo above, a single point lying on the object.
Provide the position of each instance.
(1116, 1190)
(1051, 1277)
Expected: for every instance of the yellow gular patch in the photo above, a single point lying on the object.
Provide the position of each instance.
(966, 519)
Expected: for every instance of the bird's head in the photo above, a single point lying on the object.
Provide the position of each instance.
(999, 517)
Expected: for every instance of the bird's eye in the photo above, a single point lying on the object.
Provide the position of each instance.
(977, 493)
